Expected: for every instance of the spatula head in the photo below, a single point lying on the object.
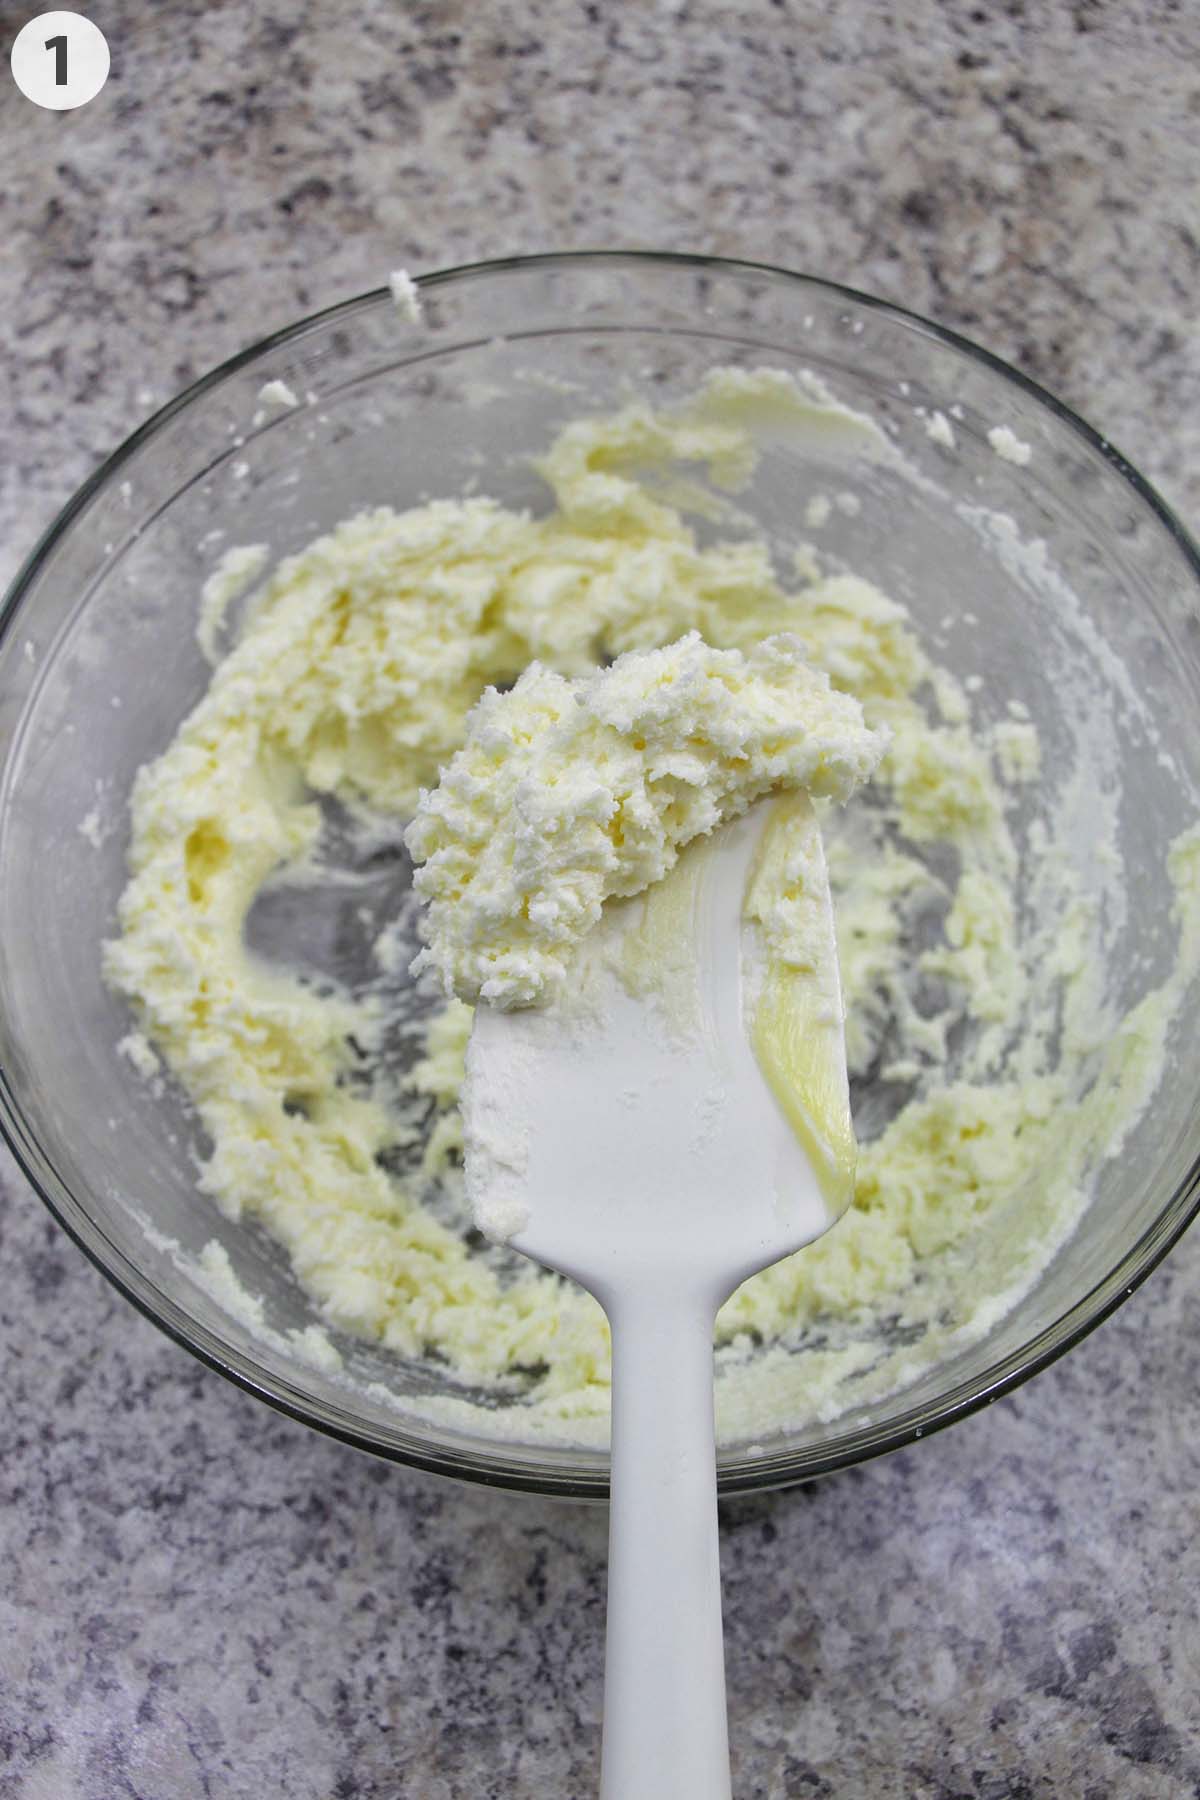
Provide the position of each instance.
(633, 1129)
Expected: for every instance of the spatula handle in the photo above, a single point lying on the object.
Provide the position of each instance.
(665, 1734)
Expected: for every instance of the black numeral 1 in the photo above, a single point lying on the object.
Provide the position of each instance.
(59, 47)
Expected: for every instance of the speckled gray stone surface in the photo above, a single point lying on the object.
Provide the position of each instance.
(201, 1599)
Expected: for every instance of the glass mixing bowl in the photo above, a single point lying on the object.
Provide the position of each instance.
(98, 663)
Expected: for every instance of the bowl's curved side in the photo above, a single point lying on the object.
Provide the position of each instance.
(193, 445)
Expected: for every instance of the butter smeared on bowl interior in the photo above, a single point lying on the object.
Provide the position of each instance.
(1007, 1075)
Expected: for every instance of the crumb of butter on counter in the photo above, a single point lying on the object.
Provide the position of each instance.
(972, 968)
(568, 793)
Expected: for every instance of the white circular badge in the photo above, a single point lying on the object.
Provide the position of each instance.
(60, 60)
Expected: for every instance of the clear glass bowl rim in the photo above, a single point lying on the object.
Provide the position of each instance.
(488, 1462)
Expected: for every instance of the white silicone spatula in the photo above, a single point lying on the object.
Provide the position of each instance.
(638, 1148)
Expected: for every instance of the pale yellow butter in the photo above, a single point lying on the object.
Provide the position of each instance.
(570, 793)
(354, 676)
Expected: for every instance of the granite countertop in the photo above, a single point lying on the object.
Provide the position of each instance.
(203, 1599)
